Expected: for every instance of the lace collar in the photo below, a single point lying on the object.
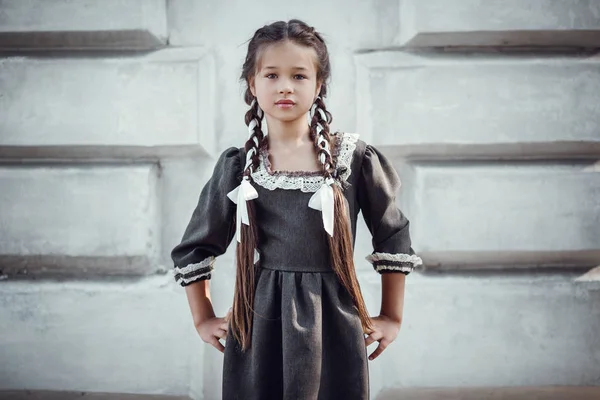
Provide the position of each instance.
(306, 181)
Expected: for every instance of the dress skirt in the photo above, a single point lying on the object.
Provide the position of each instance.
(307, 342)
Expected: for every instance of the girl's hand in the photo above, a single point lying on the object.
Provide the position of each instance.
(213, 329)
(384, 331)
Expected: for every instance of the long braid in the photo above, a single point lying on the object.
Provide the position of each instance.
(255, 140)
(340, 244)
(243, 303)
(319, 133)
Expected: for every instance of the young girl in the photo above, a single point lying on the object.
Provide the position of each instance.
(291, 198)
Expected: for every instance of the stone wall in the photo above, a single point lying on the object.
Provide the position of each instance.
(111, 116)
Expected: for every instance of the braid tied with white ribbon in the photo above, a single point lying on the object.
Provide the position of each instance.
(245, 191)
(323, 199)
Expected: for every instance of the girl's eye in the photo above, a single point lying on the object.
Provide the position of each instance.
(297, 77)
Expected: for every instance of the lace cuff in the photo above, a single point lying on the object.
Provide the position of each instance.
(194, 272)
(386, 262)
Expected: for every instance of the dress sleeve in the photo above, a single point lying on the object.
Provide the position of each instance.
(379, 183)
(212, 225)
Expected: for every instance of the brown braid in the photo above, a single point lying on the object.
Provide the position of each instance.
(340, 245)
(252, 114)
(317, 120)
(243, 302)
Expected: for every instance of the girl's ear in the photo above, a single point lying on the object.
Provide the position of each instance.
(318, 91)
(251, 86)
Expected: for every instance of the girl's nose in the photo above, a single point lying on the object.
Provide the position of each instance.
(285, 87)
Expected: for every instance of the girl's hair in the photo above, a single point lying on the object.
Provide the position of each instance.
(340, 244)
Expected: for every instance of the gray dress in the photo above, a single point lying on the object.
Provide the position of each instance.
(307, 339)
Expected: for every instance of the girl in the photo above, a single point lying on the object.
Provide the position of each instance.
(291, 198)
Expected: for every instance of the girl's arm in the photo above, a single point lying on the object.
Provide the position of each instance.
(393, 256)
(198, 295)
(209, 327)
(392, 296)
(386, 325)
(209, 232)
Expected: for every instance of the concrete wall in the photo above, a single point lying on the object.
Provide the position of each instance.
(111, 113)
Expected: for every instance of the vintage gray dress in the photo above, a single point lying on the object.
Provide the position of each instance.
(307, 339)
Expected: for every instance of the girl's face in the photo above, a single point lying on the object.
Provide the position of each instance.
(285, 83)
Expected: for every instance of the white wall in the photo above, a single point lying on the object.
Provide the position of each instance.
(111, 113)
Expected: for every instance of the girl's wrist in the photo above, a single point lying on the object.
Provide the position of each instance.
(198, 321)
(392, 317)
(203, 312)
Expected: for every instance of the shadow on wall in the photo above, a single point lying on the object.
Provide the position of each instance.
(514, 393)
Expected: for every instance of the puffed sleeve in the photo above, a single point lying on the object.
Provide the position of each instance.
(212, 226)
(378, 186)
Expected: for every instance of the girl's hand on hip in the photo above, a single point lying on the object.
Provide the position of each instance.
(214, 329)
(384, 331)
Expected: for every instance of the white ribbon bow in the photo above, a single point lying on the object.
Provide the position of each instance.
(323, 200)
(240, 195)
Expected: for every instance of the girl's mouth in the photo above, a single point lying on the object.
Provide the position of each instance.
(285, 103)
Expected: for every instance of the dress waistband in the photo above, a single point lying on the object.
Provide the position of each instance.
(296, 268)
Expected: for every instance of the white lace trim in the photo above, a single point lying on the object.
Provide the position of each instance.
(208, 262)
(183, 281)
(407, 258)
(307, 183)
(380, 268)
